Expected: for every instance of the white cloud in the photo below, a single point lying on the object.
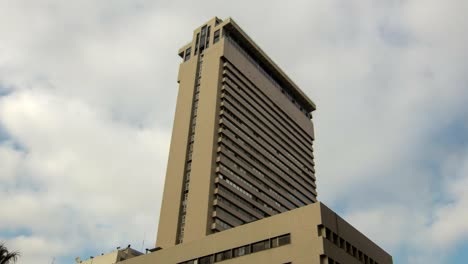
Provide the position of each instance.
(451, 218)
(40, 249)
(83, 177)
(93, 96)
(429, 231)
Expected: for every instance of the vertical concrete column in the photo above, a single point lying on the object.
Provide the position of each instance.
(200, 197)
(169, 216)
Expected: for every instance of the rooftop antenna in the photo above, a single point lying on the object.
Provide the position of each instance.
(143, 243)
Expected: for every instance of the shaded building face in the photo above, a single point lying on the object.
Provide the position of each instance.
(241, 148)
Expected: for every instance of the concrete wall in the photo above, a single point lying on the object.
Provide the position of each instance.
(307, 244)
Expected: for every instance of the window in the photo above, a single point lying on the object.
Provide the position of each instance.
(206, 260)
(216, 36)
(196, 43)
(202, 38)
(223, 255)
(208, 37)
(335, 239)
(241, 251)
(274, 242)
(285, 239)
(187, 54)
(328, 234)
(262, 245)
(222, 224)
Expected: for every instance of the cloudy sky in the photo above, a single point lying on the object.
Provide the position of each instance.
(87, 98)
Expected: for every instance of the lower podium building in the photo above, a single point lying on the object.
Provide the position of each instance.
(240, 183)
(311, 234)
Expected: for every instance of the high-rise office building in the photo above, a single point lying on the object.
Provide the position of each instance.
(241, 147)
(240, 183)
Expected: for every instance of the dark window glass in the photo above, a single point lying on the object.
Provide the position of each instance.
(274, 242)
(216, 36)
(241, 251)
(328, 234)
(202, 38)
(335, 239)
(187, 54)
(206, 260)
(196, 43)
(262, 245)
(193, 261)
(208, 37)
(223, 255)
(283, 240)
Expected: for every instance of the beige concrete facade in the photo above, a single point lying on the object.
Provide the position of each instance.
(316, 236)
(241, 148)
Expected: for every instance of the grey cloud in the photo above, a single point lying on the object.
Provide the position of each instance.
(92, 88)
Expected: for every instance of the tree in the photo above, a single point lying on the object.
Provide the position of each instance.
(7, 257)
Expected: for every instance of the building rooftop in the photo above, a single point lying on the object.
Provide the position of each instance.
(263, 60)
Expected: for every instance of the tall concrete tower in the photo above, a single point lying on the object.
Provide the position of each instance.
(241, 147)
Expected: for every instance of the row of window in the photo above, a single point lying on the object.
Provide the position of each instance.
(260, 193)
(235, 186)
(306, 155)
(272, 195)
(292, 162)
(256, 178)
(222, 224)
(243, 93)
(345, 245)
(243, 201)
(236, 208)
(256, 151)
(252, 197)
(237, 176)
(270, 129)
(242, 251)
(268, 76)
(280, 176)
(232, 219)
(260, 173)
(290, 157)
(299, 181)
(241, 84)
(268, 159)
